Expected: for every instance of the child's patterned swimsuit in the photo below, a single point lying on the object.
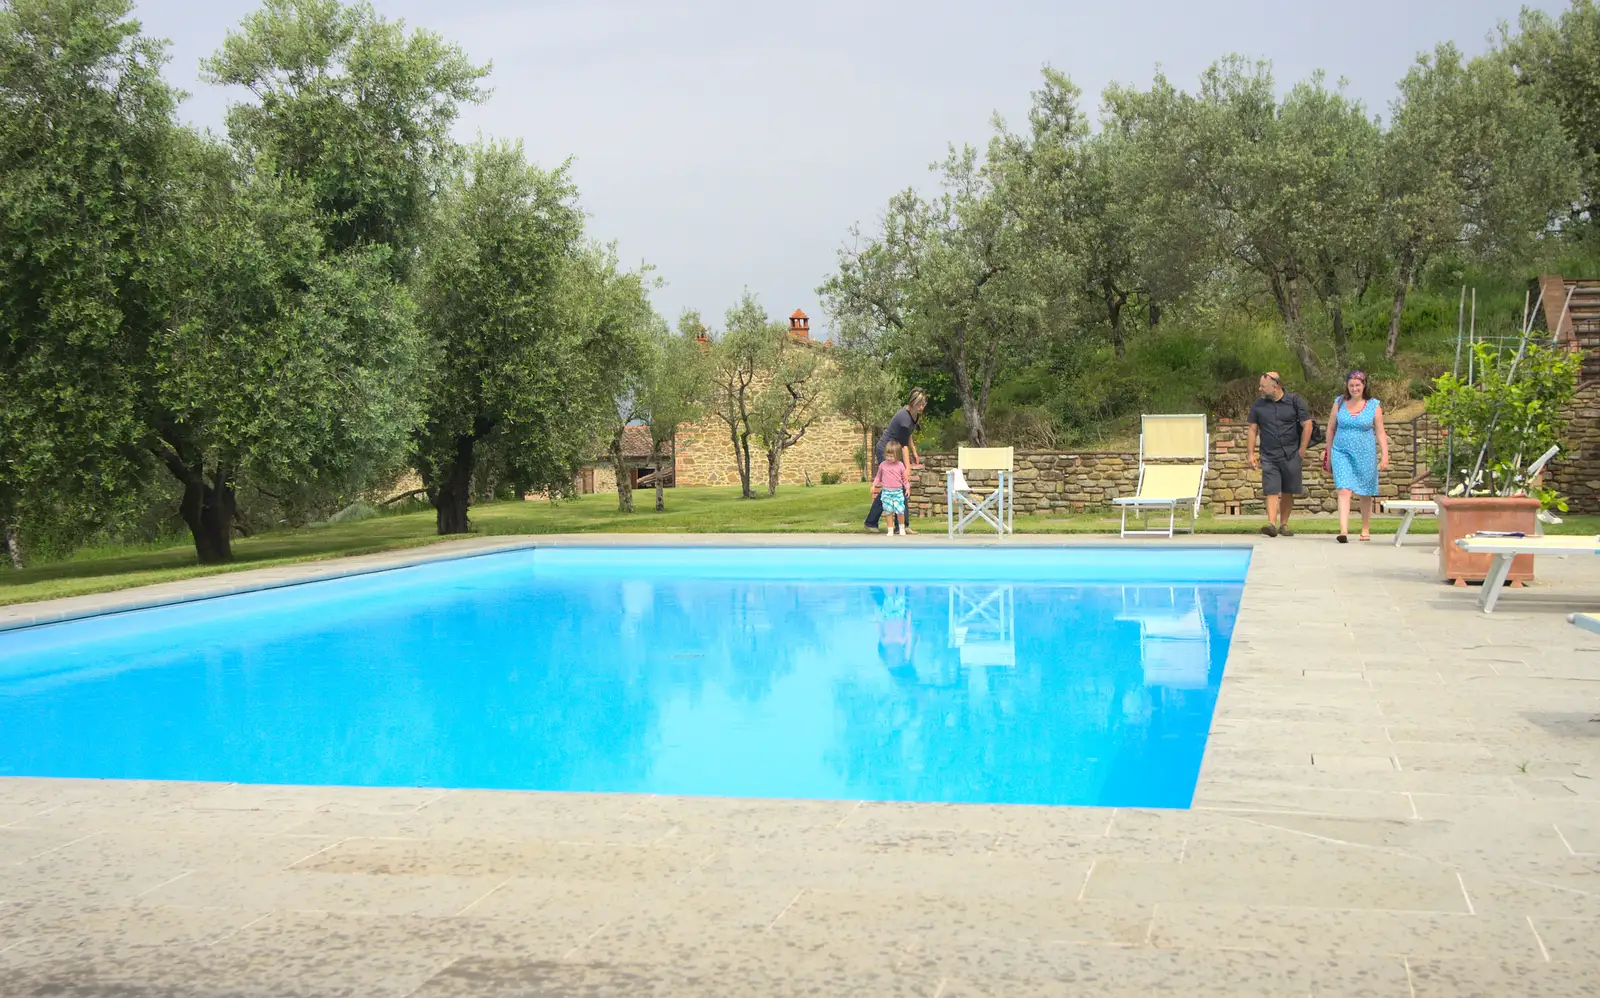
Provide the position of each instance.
(894, 501)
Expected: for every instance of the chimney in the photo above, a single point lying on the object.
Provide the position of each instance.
(799, 327)
(702, 339)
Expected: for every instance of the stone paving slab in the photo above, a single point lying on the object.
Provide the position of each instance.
(1401, 797)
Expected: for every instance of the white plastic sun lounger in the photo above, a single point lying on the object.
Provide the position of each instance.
(1504, 549)
(1174, 641)
(1410, 507)
(1183, 446)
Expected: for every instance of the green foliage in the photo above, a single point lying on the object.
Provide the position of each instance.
(674, 386)
(87, 162)
(946, 286)
(795, 396)
(1519, 417)
(175, 304)
(352, 107)
(867, 392)
(740, 357)
(1558, 59)
(531, 334)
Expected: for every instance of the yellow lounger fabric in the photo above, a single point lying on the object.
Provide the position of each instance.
(1174, 438)
(1171, 481)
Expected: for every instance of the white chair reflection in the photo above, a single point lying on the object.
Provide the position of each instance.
(983, 626)
(1174, 639)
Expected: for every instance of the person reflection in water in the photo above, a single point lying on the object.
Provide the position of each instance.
(896, 641)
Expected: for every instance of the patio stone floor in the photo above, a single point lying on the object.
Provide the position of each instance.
(1400, 797)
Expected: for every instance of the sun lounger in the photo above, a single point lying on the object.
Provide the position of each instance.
(1587, 621)
(1183, 447)
(1504, 549)
(1410, 507)
(1174, 640)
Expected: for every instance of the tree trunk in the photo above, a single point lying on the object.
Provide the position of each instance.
(1341, 340)
(655, 458)
(1153, 315)
(207, 509)
(453, 496)
(969, 404)
(969, 411)
(741, 453)
(1287, 299)
(619, 465)
(14, 548)
(774, 462)
(1408, 260)
(1114, 303)
(1335, 306)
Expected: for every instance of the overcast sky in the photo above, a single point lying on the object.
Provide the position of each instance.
(733, 144)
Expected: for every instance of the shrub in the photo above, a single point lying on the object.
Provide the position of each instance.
(1519, 421)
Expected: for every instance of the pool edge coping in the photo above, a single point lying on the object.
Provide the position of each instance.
(134, 602)
(12, 618)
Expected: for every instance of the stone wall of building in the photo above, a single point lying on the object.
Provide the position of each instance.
(605, 478)
(706, 457)
(1576, 473)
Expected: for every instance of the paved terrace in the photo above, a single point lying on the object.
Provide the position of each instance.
(1401, 797)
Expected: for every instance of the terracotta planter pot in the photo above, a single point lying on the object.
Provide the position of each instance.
(1460, 517)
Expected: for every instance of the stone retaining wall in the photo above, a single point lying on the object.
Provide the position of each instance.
(1068, 482)
(1576, 474)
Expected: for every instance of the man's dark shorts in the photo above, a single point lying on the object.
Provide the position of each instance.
(1281, 474)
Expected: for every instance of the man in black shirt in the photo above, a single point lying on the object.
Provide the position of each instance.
(1280, 432)
(899, 430)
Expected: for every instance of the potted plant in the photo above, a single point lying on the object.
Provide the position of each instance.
(1497, 425)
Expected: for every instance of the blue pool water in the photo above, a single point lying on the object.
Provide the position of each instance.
(1009, 675)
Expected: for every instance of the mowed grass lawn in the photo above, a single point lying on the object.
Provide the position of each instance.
(821, 509)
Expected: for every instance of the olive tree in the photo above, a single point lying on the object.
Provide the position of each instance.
(173, 305)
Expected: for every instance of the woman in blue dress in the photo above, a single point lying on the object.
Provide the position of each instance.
(1357, 450)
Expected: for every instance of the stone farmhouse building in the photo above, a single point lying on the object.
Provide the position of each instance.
(703, 452)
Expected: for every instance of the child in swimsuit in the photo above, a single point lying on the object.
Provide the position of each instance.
(890, 484)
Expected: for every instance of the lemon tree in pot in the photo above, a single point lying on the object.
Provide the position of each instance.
(1497, 424)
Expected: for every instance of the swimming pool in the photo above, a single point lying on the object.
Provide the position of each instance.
(1001, 675)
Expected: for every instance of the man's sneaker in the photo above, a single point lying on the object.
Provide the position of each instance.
(1284, 531)
(1270, 530)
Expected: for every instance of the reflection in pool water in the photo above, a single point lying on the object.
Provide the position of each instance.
(1012, 693)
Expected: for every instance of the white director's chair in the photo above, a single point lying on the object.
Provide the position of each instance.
(965, 504)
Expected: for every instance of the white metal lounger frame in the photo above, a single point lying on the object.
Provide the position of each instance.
(1411, 507)
(1506, 549)
(996, 508)
(1175, 439)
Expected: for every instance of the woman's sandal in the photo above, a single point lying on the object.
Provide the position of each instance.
(1342, 539)
(1366, 537)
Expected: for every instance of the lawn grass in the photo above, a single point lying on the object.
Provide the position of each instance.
(822, 509)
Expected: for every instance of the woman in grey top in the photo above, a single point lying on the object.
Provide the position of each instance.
(900, 429)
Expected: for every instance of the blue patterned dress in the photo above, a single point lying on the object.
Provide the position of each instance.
(1354, 455)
